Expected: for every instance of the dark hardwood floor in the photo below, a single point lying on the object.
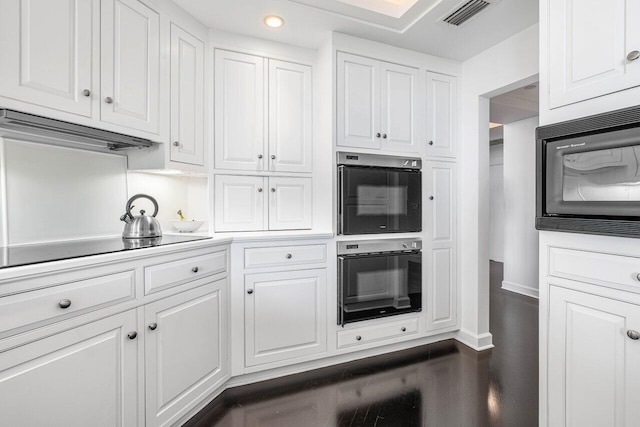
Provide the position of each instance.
(442, 384)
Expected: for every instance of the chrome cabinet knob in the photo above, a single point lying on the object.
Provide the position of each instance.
(86, 92)
(273, 190)
(273, 157)
(176, 143)
(132, 335)
(638, 277)
(430, 142)
(403, 329)
(384, 136)
(249, 291)
(195, 269)
(430, 197)
(65, 303)
(108, 100)
(634, 335)
(358, 338)
(289, 256)
(378, 135)
(259, 189)
(259, 156)
(633, 55)
(153, 326)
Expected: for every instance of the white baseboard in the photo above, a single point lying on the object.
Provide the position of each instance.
(477, 342)
(520, 289)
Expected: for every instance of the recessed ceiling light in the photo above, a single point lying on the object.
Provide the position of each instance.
(273, 21)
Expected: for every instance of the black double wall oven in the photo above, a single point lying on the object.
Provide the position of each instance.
(383, 276)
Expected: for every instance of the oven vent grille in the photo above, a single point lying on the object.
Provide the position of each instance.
(466, 12)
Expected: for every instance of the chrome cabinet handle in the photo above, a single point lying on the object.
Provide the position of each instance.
(132, 335)
(384, 136)
(289, 256)
(358, 338)
(273, 157)
(430, 142)
(403, 329)
(153, 326)
(633, 55)
(259, 189)
(176, 143)
(108, 100)
(273, 190)
(378, 135)
(86, 92)
(259, 156)
(65, 303)
(638, 276)
(195, 269)
(430, 197)
(249, 291)
(634, 335)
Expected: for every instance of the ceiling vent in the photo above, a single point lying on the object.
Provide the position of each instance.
(465, 12)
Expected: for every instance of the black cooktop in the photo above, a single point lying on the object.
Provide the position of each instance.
(14, 256)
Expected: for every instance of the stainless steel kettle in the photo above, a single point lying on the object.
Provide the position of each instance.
(142, 226)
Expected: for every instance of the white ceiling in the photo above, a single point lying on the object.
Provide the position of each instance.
(307, 25)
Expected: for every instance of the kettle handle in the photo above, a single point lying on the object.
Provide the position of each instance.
(141, 196)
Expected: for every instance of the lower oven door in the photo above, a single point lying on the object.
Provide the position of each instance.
(378, 285)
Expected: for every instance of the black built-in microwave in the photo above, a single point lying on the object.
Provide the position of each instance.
(379, 194)
(588, 175)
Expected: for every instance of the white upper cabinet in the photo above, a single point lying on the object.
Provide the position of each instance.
(46, 53)
(376, 104)
(441, 115)
(187, 97)
(239, 111)
(593, 48)
(289, 203)
(398, 104)
(130, 65)
(290, 117)
(263, 114)
(358, 101)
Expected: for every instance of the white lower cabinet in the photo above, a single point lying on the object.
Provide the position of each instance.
(242, 205)
(592, 374)
(87, 376)
(285, 315)
(185, 356)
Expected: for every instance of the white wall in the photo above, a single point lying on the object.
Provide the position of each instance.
(52, 193)
(521, 237)
(504, 67)
(496, 203)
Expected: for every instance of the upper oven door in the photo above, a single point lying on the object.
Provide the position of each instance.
(379, 200)
(594, 176)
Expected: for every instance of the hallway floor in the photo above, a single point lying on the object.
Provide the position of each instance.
(443, 384)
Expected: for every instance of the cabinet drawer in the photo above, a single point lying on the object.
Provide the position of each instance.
(597, 268)
(168, 274)
(33, 307)
(377, 333)
(284, 255)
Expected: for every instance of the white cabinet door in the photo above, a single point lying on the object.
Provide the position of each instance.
(441, 115)
(285, 315)
(358, 101)
(187, 97)
(46, 53)
(87, 376)
(239, 111)
(185, 351)
(593, 376)
(289, 203)
(398, 105)
(290, 117)
(589, 42)
(239, 203)
(130, 65)
(441, 254)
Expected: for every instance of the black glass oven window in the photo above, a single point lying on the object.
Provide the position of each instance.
(376, 200)
(602, 175)
(380, 285)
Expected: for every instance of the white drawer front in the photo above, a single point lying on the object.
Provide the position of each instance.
(369, 334)
(47, 304)
(284, 255)
(168, 274)
(599, 269)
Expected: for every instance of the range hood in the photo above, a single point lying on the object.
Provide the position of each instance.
(84, 135)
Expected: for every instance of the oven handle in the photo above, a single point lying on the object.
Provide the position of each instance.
(381, 254)
(340, 199)
(340, 289)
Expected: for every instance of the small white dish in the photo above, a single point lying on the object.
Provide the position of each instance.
(188, 225)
